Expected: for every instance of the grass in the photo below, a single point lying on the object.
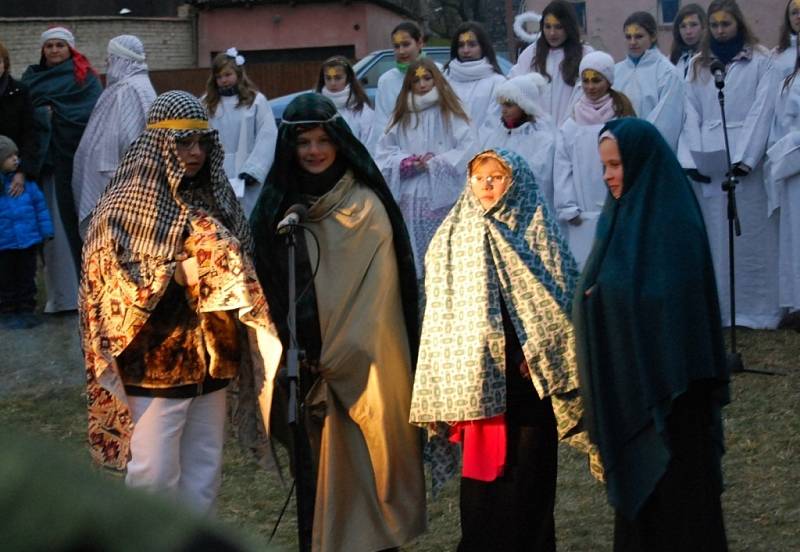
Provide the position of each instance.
(762, 470)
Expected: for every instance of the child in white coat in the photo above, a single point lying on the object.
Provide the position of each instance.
(337, 81)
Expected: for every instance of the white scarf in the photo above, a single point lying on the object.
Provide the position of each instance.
(417, 103)
(340, 98)
(468, 71)
(594, 112)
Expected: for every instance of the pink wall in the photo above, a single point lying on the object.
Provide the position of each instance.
(275, 27)
(604, 20)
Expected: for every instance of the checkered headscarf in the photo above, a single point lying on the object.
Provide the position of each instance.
(141, 216)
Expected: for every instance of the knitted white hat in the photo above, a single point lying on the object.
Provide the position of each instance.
(525, 91)
(58, 33)
(127, 46)
(600, 62)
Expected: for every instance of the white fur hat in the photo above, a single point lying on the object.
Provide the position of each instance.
(59, 33)
(525, 91)
(600, 62)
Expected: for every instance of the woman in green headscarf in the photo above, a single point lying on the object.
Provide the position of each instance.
(357, 325)
(651, 355)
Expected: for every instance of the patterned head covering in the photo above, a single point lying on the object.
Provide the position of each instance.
(141, 214)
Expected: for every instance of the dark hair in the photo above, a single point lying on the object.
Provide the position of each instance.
(784, 40)
(247, 90)
(573, 49)
(409, 27)
(646, 21)
(449, 104)
(6, 60)
(742, 29)
(678, 45)
(487, 49)
(788, 80)
(357, 98)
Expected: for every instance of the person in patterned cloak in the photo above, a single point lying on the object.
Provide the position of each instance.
(497, 369)
(171, 311)
(356, 323)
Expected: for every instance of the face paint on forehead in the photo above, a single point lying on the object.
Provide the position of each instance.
(633, 28)
(331, 72)
(400, 36)
(551, 19)
(591, 74)
(420, 72)
(719, 17)
(795, 4)
(469, 36)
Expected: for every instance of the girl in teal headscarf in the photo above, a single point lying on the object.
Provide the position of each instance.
(652, 362)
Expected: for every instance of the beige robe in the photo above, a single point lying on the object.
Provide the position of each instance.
(370, 482)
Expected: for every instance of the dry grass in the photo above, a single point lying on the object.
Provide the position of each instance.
(761, 502)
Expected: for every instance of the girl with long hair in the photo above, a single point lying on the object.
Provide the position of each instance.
(423, 154)
(473, 72)
(687, 34)
(784, 54)
(337, 81)
(246, 125)
(579, 192)
(650, 81)
(556, 55)
(525, 128)
(749, 105)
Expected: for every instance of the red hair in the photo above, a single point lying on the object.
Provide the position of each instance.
(82, 65)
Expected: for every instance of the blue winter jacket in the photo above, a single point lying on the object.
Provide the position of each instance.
(24, 220)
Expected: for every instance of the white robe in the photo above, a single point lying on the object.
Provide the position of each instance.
(118, 118)
(748, 108)
(783, 176)
(578, 186)
(783, 62)
(426, 198)
(559, 97)
(535, 142)
(476, 92)
(248, 135)
(684, 62)
(389, 86)
(656, 90)
(360, 123)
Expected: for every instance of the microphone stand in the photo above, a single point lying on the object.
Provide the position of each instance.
(734, 358)
(295, 413)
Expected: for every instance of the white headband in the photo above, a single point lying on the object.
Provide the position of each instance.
(57, 33)
(312, 122)
(118, 49)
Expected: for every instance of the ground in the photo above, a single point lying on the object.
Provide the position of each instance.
(41, 391)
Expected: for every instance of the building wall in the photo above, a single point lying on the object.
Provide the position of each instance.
(168, 42)
(282, 26)
(604, 20)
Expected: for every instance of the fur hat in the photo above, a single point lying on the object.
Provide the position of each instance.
(525, 91)
(7, 148)
(600, 62)
(58, 33)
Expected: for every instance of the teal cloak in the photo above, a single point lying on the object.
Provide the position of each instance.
(646, 316)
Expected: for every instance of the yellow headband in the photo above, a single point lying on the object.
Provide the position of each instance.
(633, 28)
(420, 72)
(551, 19)
(469, 35)
(331, 72)
(590, 74)
(180, 124)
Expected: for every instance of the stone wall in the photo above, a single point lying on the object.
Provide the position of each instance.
(169, 42)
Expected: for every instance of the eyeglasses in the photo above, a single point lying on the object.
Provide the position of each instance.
(187, 144)
(477, 180)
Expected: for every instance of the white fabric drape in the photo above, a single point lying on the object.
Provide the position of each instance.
(474, 83)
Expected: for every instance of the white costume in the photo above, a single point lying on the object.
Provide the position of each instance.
(359, 120)
(783, 190)
(559, 96)
(533, 140)
(684, 62)
(655, 88)
(783, 62)
(748, 109)
(248, 135)
(118, 118)
(426, 198)
(474, 82)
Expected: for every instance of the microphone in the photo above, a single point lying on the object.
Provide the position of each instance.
(294, 216)
(718, 70)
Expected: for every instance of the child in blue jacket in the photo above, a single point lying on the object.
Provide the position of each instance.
(24, 224)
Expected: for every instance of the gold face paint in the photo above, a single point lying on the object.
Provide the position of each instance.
(633, 29)
(551, 19)
(591, 74)
(796, 4)
(420, 72)
(720, 16)
(469, 36)
(399, 37)
(331, 72)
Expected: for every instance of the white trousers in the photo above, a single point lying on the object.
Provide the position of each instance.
(176, 447)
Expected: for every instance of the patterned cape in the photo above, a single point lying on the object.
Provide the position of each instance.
(513, 249)
(129, 260)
